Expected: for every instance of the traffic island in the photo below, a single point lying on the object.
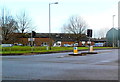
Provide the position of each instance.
(83, 53)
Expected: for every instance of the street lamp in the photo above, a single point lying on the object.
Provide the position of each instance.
(50, 23)
(113, 31)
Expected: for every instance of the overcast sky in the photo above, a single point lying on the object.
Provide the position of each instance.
(97, 13)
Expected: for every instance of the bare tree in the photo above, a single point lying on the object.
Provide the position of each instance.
(76, 26)
(24, 23)
(8, 26)
(102, 32)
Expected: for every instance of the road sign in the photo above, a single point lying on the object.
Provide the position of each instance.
(75, 50)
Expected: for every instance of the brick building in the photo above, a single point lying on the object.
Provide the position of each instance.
(42, 39)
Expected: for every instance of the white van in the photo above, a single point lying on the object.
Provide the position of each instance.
(57, 44)
(6, 45)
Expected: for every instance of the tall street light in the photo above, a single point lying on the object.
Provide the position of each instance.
(50, 24)
(113, 31)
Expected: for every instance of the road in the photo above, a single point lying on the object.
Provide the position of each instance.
(61, 66)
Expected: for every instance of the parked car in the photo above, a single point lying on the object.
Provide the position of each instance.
(99, 44)
(75, 44)
(57, 44)
(67, 45)
(6, 45)
(19, 44)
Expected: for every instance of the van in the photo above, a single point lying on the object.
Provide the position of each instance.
(6, 45)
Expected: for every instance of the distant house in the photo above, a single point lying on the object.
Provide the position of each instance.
(100, 42)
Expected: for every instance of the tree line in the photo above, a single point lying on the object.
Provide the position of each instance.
(9, 25)
(22, 23)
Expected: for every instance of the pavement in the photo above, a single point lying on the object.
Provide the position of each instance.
(61, 66)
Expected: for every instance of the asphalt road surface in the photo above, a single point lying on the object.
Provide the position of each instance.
(61, 66)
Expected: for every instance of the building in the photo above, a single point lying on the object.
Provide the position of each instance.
(119, 24)
(0, 35)
(112, 37)
(42, 39)
(57, 39)
(119, 14)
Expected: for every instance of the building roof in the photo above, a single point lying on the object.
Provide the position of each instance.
(60, 37)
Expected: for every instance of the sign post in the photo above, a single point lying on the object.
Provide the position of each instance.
(89, 34)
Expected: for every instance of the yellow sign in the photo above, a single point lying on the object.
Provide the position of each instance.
(75, 50)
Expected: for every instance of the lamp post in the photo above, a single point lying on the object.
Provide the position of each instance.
(50, 24)
(113, 31)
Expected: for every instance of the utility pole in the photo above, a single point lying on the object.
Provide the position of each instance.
(113, 32)
(50, 42)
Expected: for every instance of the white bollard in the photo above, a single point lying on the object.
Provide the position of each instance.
(46, 47)
(91, 48)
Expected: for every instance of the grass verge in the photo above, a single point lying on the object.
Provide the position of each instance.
(28, 49)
